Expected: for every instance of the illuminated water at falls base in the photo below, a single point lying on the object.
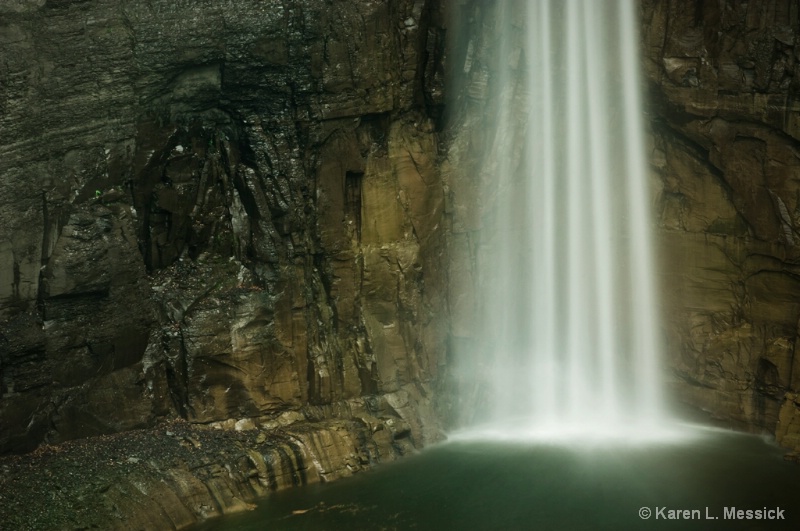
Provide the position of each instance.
(567, 274)
(488, 486)
(568, 366)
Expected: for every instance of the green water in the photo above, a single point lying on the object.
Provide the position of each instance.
(486, 485)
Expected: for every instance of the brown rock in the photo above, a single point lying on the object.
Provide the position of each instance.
(194, 205)
(723, 82)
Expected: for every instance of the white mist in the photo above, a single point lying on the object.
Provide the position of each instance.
(567, 283)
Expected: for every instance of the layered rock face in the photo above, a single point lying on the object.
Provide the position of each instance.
(216, 210)
(724, 80)
(181, 473)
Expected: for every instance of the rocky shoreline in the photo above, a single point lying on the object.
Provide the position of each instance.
(178, 473)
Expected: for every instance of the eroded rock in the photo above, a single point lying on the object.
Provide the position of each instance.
(723, 80)
(214, 211)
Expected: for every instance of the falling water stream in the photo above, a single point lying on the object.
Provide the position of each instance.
(569, 429)
(568, 293)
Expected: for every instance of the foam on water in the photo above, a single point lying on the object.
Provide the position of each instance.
(585, 437)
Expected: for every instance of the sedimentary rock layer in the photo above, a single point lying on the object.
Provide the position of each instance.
(179, 473)
(214, 210)
(724, 83)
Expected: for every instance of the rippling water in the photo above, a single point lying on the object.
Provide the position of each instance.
(485, 484)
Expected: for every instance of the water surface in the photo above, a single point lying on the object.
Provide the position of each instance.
(486, 485)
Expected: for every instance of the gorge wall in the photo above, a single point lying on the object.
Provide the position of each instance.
(724, 92)
(215, 210)
(219, 210)
(261, 218)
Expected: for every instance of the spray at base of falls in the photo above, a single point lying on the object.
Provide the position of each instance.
(567, 272)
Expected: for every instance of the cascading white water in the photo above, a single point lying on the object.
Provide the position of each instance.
(567, 277)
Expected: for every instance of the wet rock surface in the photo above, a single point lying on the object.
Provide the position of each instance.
(214, 210)
(179, 473)
(724, 82)
(233, 214)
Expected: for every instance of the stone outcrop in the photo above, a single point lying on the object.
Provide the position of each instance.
(724, 83)
(181, 473)
(215, 210)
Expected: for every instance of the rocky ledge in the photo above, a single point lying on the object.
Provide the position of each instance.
(179, 473)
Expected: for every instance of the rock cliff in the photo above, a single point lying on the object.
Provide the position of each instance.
(724, 85)
(247, 212)
(215, 210)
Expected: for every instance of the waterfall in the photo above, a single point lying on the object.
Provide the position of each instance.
(567, 271)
